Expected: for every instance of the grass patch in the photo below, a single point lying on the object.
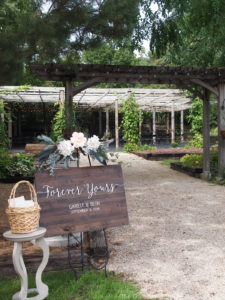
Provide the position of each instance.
(133, 147)
(167, 162)
(89, 286)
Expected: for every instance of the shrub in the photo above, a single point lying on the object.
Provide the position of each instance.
(196, 142)
(16, 165)
(174, 145)
(196, 160)
(192, 160)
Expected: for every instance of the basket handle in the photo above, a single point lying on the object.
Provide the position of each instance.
(33, 194)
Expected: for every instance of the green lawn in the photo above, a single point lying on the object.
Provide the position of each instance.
(89, 286)
(167, 162)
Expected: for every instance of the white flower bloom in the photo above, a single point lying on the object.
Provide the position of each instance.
(93, 143)
(65, 148)
(78, 139)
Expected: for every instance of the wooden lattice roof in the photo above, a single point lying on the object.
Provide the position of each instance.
(95, 98)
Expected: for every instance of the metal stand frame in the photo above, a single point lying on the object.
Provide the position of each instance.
(94, 256)
(105, 256)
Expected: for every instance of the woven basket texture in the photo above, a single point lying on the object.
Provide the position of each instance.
(24, 220)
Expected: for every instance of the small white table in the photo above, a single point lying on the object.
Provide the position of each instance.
(36, 237)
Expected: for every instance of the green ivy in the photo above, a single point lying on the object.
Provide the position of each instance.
(4, 140)
(59, 122)
(195, 116)
(130, 122)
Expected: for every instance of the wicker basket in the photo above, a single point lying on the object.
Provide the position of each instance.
(24, 219)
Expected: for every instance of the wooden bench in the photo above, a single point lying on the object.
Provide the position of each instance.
(34, 148)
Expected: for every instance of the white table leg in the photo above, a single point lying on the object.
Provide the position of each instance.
(42, 288)
(21, 271)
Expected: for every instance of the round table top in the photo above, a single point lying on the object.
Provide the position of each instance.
(24, 237)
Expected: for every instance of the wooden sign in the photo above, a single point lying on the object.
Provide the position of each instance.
(81, 199)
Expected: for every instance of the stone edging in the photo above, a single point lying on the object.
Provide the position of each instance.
(192, 171)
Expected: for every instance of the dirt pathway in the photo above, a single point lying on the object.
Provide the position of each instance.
(174, 246)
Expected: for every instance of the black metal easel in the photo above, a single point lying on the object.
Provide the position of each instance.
(103, 256)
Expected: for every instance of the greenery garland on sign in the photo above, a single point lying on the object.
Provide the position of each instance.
(130, 123)
(67, 150)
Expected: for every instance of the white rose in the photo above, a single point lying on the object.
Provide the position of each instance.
(78, 139)
(93, 143)
(65, 148)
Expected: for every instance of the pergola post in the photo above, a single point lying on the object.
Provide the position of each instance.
(107, 121)
(206, 135)
(69, 103)
(221, 127)
(154, 125)
(181, 125)
(172, 124)
(140, 124)
(10, 127)
(116, 124)
(19, 124)
(167, 123)
(100, 123)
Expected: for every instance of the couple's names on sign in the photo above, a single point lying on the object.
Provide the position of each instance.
(81, 199)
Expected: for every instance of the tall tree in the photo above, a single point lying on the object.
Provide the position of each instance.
(14, 24)
(189, 32)
(28, 32)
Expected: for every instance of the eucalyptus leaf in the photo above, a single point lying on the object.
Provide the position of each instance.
(45, 139)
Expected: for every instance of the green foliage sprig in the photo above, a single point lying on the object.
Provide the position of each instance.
(130, 121)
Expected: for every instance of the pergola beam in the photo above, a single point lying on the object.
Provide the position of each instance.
(85, 85)
(206, 86)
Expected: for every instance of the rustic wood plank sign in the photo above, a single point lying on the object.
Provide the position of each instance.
(81, 199)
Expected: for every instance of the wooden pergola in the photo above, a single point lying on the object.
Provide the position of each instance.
(205, 81)
(106, 99)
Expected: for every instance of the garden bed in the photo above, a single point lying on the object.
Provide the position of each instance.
(192, 171)
(170, 153)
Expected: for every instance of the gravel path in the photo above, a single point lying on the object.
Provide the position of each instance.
(174, 246)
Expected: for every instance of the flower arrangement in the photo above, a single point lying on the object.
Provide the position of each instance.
(67, 150)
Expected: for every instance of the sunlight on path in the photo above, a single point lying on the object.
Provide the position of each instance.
(174, 246)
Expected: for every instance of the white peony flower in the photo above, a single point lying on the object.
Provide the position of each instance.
(65, 148)
(93, 143)
(78, 139)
